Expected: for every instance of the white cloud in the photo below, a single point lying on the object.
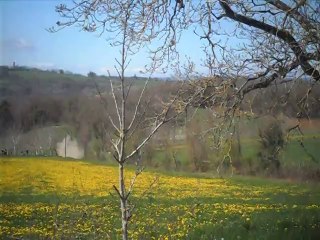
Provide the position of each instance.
(22, 43)
(17, 45)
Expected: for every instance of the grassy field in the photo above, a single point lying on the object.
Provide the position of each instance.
(66, 199)
(293, 155)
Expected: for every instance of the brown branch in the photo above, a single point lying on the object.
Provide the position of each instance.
(118, 192)
(302, 20)
(271, 79)
(133, 180)
(282, 34)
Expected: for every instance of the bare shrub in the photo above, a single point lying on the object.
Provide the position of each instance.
(272, 141)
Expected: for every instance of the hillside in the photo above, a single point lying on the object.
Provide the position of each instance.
(23, 81)
(40, 108)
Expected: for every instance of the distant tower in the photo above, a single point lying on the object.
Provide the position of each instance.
(14, 64)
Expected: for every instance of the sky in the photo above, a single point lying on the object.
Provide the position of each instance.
(25, 41)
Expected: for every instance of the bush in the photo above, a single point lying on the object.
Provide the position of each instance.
(92, 75)
(4, 71)
(271, 143)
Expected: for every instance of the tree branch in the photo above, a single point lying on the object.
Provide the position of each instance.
(284, 35)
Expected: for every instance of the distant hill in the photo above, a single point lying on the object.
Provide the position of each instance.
(24, 81)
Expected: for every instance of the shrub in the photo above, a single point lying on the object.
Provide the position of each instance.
(92, 74)
(271, 143)
(4, 71)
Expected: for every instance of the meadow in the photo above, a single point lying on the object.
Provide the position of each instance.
(52, 198)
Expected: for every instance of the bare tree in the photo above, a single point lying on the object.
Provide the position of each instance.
(276, 41)
(130, 26)
(15, 133)
(272, 43)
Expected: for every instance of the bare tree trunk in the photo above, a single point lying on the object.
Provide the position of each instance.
(123, 203)
(15, 140)
(174, 157)
(123, 196)
(65, 146)
(238, 139)
(14, 149)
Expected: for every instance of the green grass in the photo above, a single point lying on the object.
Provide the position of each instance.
(293, 156)
(178, 207)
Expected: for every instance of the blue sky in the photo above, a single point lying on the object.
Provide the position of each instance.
(24, 39)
